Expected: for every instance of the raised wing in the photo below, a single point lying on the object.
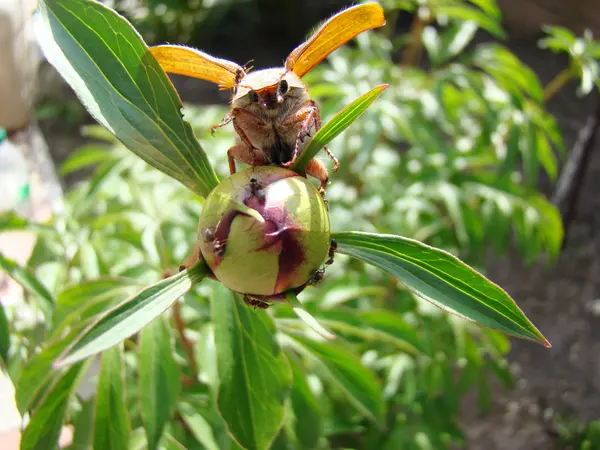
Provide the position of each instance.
(333, 34)
(194, 63)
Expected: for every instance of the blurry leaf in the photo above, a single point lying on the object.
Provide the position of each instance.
(84, 426)
(159, 379)
(255, 378)
(84, 157)
(457, 38)
(508, 71)
(467, 13)
(43, 430)
(132, 315)
(199, 427)
(170, 443)
(79, 296)
(111, 427)
(307, 318)
(345, 370)
(25, 277)
(10, 221)
(4, 335)
(336, 125)
(308, 422)
(88, 260)
(375, 325)
(529, 152)
(343, 294)
(442, 279)
(546, 155)
(38, 372)
(110, 68)
(101, 175)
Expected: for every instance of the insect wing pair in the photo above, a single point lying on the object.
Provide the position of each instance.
(271, 110)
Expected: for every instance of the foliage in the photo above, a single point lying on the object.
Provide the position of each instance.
(448, 156)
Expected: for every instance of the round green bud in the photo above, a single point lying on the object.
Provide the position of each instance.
(264, 231)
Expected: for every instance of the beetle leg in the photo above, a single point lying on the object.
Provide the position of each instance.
(336, 163)
(308, 114)
(317, 169)
(245, 154)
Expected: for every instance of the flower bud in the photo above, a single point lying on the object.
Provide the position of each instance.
(264, 231)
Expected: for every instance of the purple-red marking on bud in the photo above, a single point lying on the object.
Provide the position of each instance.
(275, 246)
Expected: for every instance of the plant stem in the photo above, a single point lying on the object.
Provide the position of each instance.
(557, 83)
(412, 52)
(188, 346)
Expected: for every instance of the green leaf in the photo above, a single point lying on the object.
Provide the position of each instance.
(84, 426)
(306, 317)
(308, 422)
(375, 325)
(344, 369)
(110, 68)
(4, 335)
(442, 279)
(463, 12)
(10, 221)
(159, 379)
(336, 125)
(199, 427)
(75, 300)
(43, 430)
(26, 278)
(132, 315)
(84, 157)
(111, 427)
(255, 377)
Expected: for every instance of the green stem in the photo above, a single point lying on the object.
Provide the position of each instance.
(557, 83)
(412, 52)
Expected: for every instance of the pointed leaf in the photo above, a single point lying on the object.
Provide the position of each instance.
(43, 430)
(442, 279)
(132, 315)
(199, 427)
(159, 379)
(255, 377)
(307, 318)
(26, 278)
(123, 87)
(336, 125)
(345, 370)
(111, 427)
(308, 422)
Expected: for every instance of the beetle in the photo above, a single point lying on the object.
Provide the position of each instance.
(271, 110)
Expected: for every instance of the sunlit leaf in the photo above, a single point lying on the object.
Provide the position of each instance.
(27, 279)
(255, 377)
(442, 279)
(345, 370)
(159, 379)
(336, 125)
(111, 426)
(43, 430)
(132, 315)
(110, 68)
(308, 422)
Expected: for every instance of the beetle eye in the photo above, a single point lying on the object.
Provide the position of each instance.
(283, 87)
(253, 96)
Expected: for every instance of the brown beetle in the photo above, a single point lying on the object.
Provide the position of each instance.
(271, 110)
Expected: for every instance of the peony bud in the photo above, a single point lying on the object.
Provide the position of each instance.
(264, 231)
